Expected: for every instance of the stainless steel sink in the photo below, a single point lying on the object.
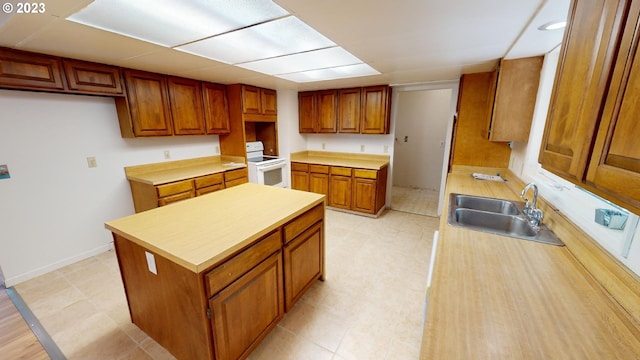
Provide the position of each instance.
(496, 216)
(487, 204)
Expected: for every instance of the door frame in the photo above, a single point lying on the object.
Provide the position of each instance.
(454, 85)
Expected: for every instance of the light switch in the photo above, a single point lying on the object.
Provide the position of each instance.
(151, 262)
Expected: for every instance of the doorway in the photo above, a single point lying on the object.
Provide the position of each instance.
(423, 118)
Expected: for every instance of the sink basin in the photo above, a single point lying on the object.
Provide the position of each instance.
(496, 216)
(487, 204)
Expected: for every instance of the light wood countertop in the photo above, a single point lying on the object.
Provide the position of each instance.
(170, 171)
(199, 232)
(495, 297)
(360, 161)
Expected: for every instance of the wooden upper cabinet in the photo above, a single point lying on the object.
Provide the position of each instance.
(147, 108)
(216, 108)
(584, 68)
(376, 103)
(187, 112)
(515, 99)
(327, 107)
(259, 101)
(88, 77)
(23, 70)
(614, 168)
(349, 110)
(307, 113)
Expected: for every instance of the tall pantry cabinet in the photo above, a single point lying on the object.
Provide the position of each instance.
(592, 127)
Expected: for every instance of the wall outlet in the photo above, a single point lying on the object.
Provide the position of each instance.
(91, 162)
(324, 146)
(217, 149)
(386, 149)
(167, 155)
(361, 148)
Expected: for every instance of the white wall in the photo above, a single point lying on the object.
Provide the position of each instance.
(577, 204)
(54, 206)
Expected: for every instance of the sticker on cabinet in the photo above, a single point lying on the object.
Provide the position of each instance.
(4, 172)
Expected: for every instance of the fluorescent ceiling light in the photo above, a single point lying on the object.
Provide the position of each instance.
(341, 72)
(170, 22)
(553, 25)
(310, 60)
(274, 38)
(257, 35)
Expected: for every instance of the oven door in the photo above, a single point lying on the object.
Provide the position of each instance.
(272, 174)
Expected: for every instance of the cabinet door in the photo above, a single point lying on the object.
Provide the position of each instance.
(615, 163)
(269, 102)
(349, 110)
(319, 183)
(216, 108)
(375, 110)
(251, 100)
(25, 70)
(300, 180)
(186, 106)
(340, 191)
(586, 60)
(327, 106)
(92, 78)
(364, 195)
(515, 99)
(148, 103)
(239, 320)
(307, 112)
(302, 263)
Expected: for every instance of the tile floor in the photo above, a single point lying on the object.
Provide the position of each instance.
(415, 200)
(369, 307)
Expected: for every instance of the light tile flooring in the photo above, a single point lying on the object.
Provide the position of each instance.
(415, 200)
(370, 306)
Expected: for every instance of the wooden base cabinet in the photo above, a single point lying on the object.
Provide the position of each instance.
(243, 313)
(303, 257)
(340, 183)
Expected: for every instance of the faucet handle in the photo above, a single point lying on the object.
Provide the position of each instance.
(535, 216)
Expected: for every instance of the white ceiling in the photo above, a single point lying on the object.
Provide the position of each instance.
(408, 41)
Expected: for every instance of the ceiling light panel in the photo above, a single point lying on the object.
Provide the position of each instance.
(310, 60)
(276, 38)
(172, 23)
(341, 72)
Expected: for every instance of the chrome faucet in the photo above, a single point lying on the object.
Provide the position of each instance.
(533, 214)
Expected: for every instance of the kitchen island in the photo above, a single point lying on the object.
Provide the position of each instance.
(496, 297)
(209, 277)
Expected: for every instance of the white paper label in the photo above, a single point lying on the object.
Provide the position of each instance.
(151, 262)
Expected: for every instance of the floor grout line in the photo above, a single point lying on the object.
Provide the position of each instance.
(38, 330)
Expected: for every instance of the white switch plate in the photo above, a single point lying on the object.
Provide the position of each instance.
(91, 162)
(167, 154)
(151, 262)
(361, 148)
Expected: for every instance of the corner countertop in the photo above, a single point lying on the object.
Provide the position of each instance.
(495, 297)
(199, 232)
(170, 171)
(360, 161)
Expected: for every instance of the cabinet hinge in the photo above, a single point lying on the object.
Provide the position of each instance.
(208, 313)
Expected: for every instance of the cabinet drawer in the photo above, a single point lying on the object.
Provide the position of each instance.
(302, 223)
(340, 171)
(175, 198)
(299, 167)
(235, 174)
(209, 180)
(223, 275)
(320, 169)
(236, 182)
(174, 188)
(209, 189)
(365, 174)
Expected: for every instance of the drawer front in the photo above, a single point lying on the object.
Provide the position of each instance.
(320, 169)
(299, 166)
(235, 182)
(175, 198)
(235, 174)
(343, 171)
(209, 180)
(302, 223)
(209, 189)
(365, 174)
(174, 188)
(223, 275)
